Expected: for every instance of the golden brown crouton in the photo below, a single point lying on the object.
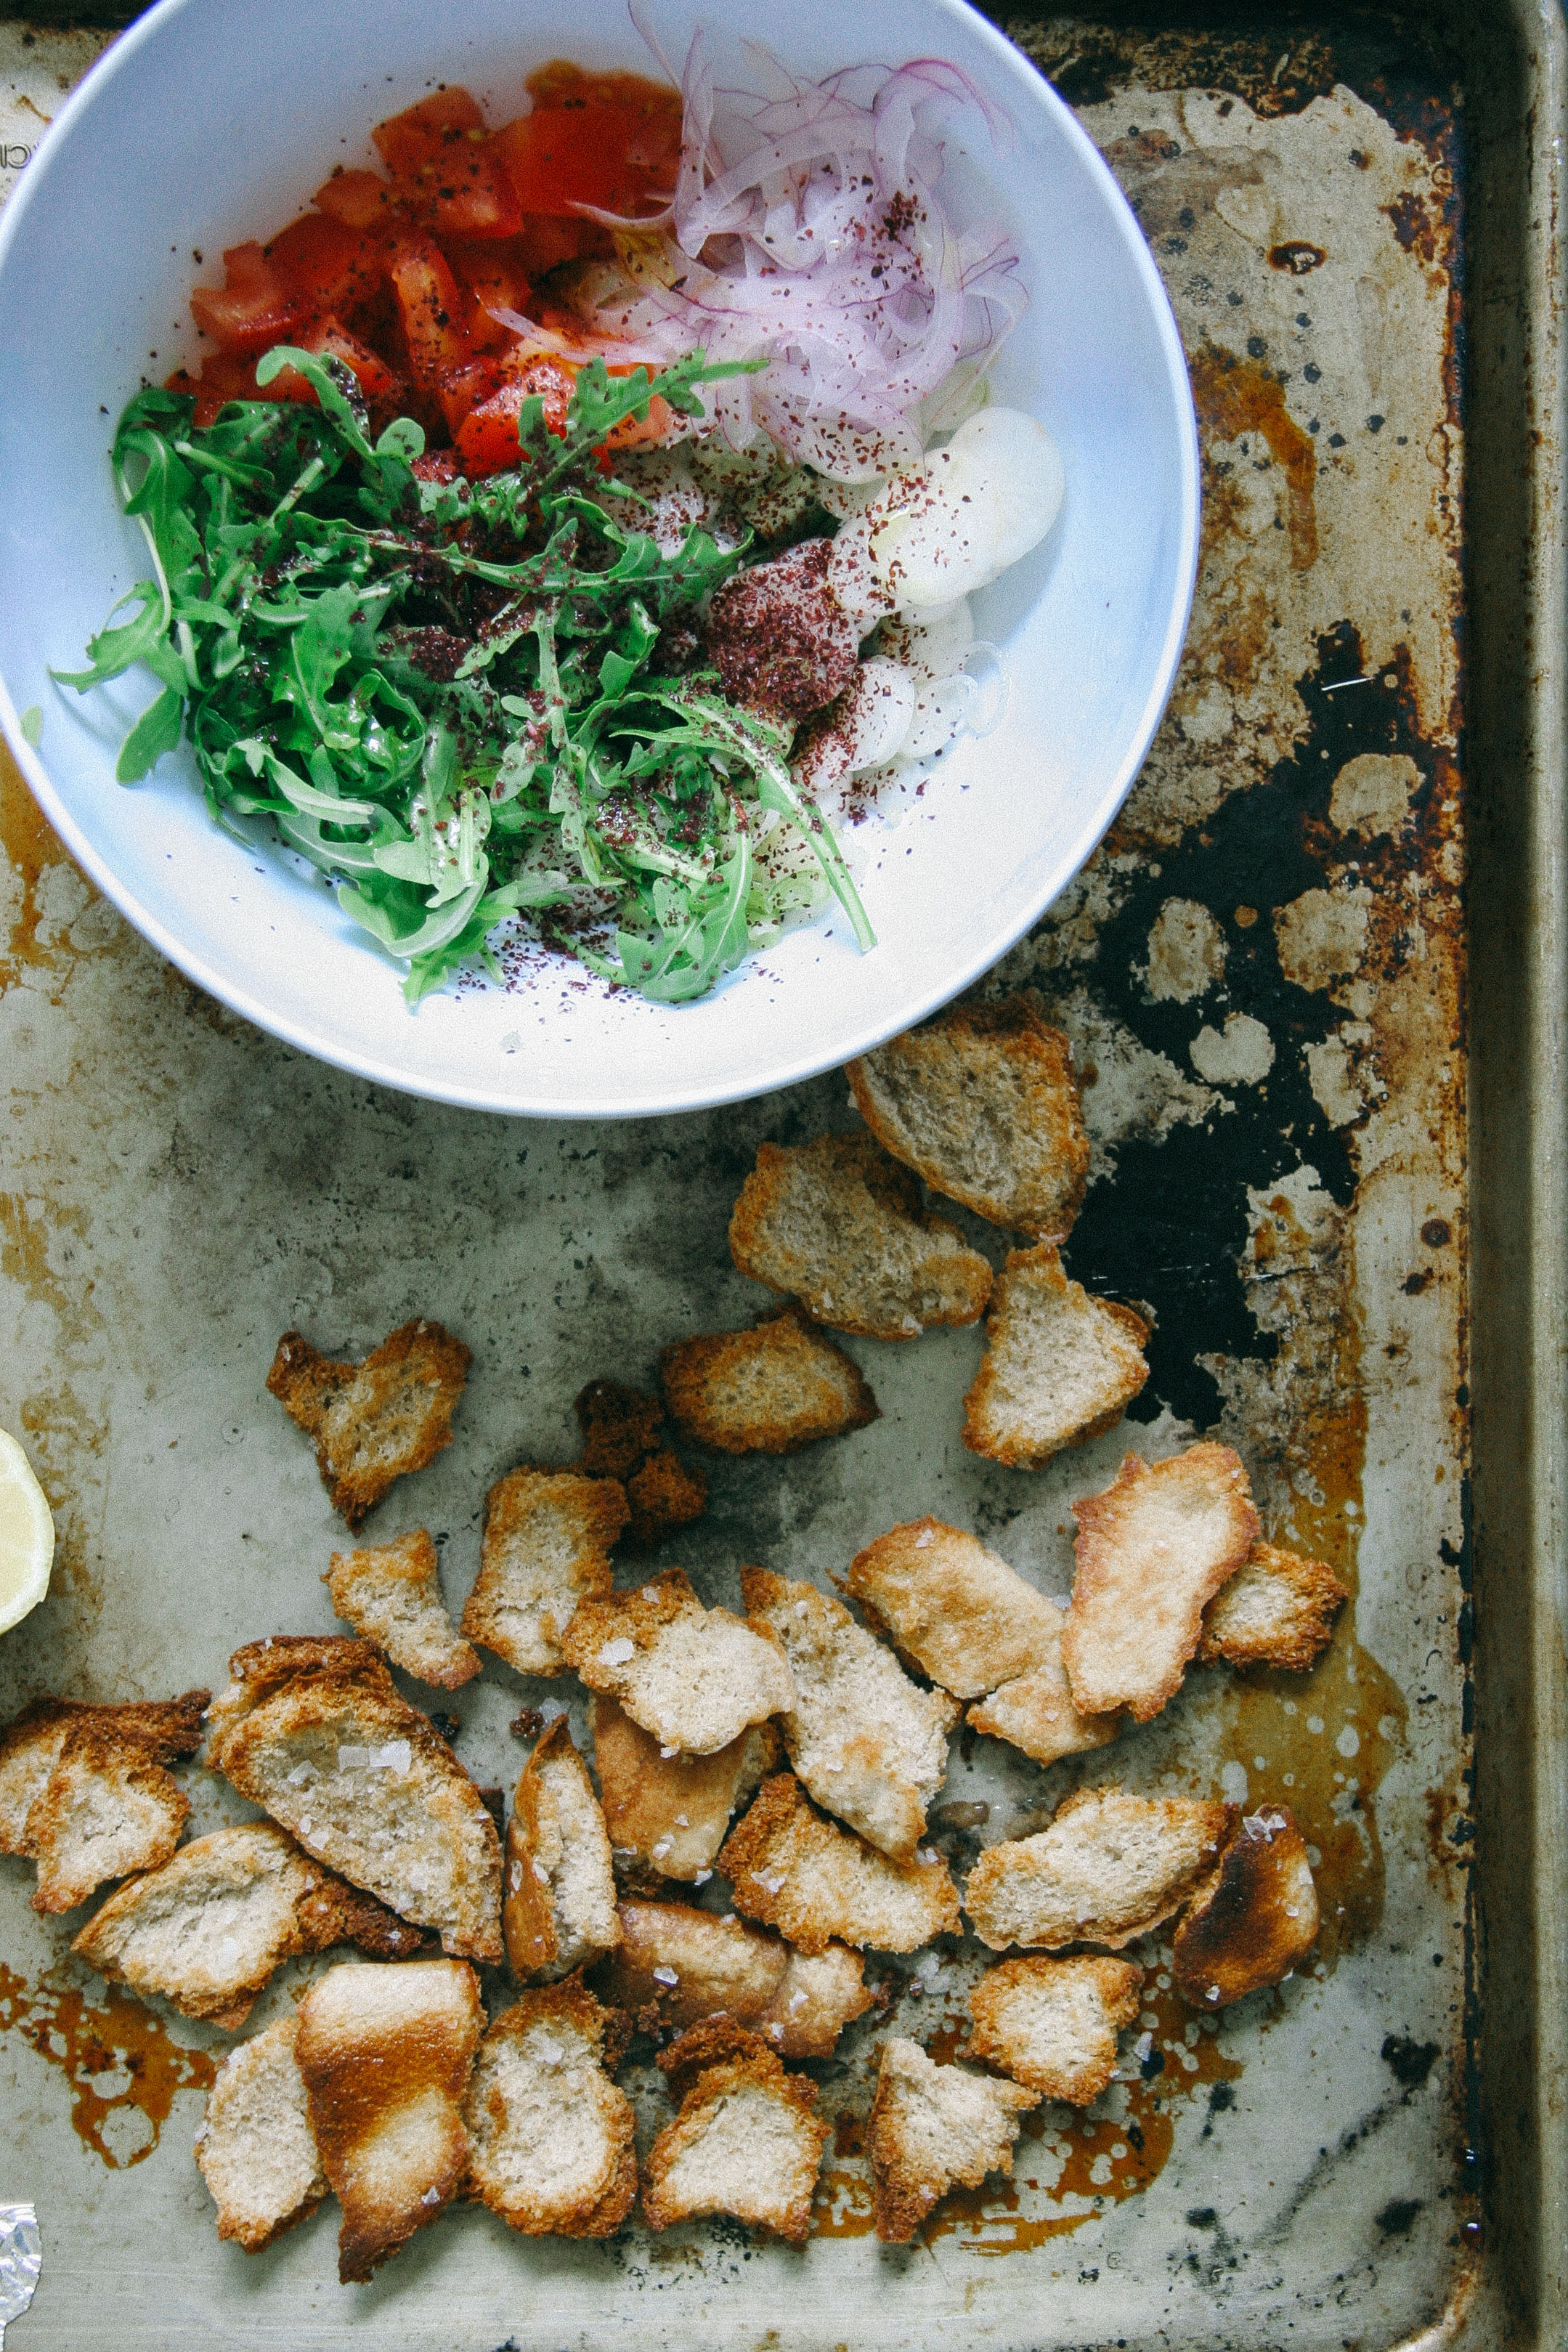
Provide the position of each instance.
(694, 1678)
(966, 1618)
(29, 1750)
(668, 1816)
(209, 1927)
(386, 2054)
(559, 1912)
(1053, 2024)
(109, 1806)
(1151, 1552)
(1255, 1920)
(620, 1428)
(748, 2141)
(772, 1389)
(1277, 1610)
(391, 1595)
(1108, 1868)
(688, 1965)
(547, 1542)
(258, 1668)
(982, 1102)
(838, 1224)
(552, 2138)
(367, 1786)
(932, 2125)
(256, 2148)
(815, 1881)
(1060, 1367)
(664, 1495)
(376, 1420)
(1034, 1710)
(865, 1741)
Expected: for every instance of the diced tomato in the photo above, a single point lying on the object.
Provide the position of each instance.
(376, 380)
(225, 376)
(543, 245)
(487, 439)
(432, 307)
(461, 390)
(255, 306)
(611, 141)
(360, 200)
(631, 433)
(421, 133)
(494, 274)
(329, 266)
(439, 154)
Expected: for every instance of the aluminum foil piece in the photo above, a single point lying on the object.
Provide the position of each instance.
(21, 2260)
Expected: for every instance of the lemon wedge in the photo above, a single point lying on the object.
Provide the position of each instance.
(26, 1535)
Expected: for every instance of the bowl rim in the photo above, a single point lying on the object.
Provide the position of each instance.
(1014, 69)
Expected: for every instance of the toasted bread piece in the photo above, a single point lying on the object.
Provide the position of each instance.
(815, 1881)
(839, 1225)
(29, 1750)
(1034, 1710)
(207, 1930)
(558, 1913)
(1053, 2024)
(1108, 1868)
(552, 2138)
(109, 1806)
(377, 1421)
(256, 2148)
(982, 1102)
(391, 1595)
(1150, 1554)
(687, 1965)
(547, 1542)
(748, 2141)
(966, 1618)
(932, 2125)
(386, 2054)
(664, 1495)
(1060, 1367)
(772, 1389)
(694, 1678)
(367, 1785)
(668, 1816)
(258, 1668)
(1277, 1610)
(620, 1428)
(1255, 1920)
(866, 1742)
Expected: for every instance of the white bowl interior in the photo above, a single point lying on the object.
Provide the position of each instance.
(249, 109)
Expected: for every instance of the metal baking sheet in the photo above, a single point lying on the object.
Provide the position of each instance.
(1264, 973)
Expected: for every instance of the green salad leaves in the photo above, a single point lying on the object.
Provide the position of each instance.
(454, 698)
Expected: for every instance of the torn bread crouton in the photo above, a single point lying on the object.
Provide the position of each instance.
(982, 1102)
(772, 1389)
(1060, 1367)
(256, 2148)
(1255, 1920)
(620, 1428)
(258, 1668)
(931, 2126)
(551, 2140)
(866, 1742)
(207, 1930)
(386, 2054)
(815, 1881)
(376, 1420)
(952, 1606)
(1035, 1711)
(390, 1593)
(1108, 1868)
(1279, 1610)
(546, 1547)
(1053, 2024)
(840, 1226)
(109, 1805)
(558, 1911)
(1150, 1554)
(685, 1964)
(747, 2141)
(663, 1496)
(29, 1750)
(367, 1785)
(668, 1816)
(694, 1678)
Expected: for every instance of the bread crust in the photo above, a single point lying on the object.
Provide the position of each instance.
(376, 1420)
(1035, 1711)
(29, 1750)
(930, 2127)
(108, 1806)
(1060, 1367)
(1052, 2023)
(696, 1678)
(1279, 1610)
(1108, 1868)
(983, 1103)
(390, 1593)
(258, 1668)
(770, 1390)
(666, 1815)
(747, 2139)
(952, 1606)
(1150, 1554)
(553, 2141)
(546, 1548)
(680, 1966)
(1254, 1920)
(256, 2149)
(819, 1883)
(558, 1911)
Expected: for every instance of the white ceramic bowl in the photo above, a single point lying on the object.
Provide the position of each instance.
(212, 121)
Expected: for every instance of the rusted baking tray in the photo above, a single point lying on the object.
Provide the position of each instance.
(1315, 981)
